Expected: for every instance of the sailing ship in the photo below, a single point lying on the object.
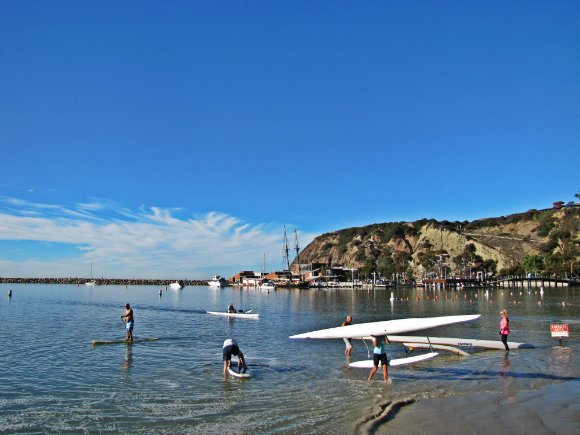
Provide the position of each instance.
(91, 282)
(288, 277)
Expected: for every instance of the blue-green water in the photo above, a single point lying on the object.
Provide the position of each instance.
(52, 380)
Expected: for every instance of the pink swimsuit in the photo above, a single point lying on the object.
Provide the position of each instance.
(503, 326)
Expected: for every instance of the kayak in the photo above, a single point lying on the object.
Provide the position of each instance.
(246, 314)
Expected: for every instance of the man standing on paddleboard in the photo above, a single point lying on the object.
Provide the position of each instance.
(129, 321)
(380, 355)
(231, 348)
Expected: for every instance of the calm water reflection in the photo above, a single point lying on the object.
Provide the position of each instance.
(54, 380)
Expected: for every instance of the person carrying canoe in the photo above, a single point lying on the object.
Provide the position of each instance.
(231, 348)
(380, 355)
(347, 341)
(129, 321)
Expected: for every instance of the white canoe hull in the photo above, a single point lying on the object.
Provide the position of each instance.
(368, 364)
(387, 327)
(436, 346)
(458, 342)
(240, 315)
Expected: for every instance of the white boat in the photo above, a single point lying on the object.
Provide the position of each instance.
(268, 285)
(92, 282)
(218, 281)
(175, 285)
(246, 314)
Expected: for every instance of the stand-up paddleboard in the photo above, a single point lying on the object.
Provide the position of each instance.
(459, 342)
(245, 315)
(386, 327)
(368, 364)
(232, 371)
(139, 340)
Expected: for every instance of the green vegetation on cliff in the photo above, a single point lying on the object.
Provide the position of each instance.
(543, 242)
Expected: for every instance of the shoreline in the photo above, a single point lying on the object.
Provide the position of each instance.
(550, 409)
(103, 281)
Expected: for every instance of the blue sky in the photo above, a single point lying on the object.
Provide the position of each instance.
(175, 139)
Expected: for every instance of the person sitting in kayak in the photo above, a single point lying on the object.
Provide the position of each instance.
(231, 308)
(231, 348)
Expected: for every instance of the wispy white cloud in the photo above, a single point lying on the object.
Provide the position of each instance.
(149, 243)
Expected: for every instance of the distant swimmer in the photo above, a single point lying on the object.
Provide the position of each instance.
(380, 355)
(231, 348)
(129, 320)
(504, 328)
(347, 341)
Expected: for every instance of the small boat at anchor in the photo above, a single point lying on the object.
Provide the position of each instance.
(218, 281)
(268, 285)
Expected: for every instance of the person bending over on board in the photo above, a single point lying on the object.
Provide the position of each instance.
(347, 341)
(231, 308)
(380, 355)
(504, 328)
(231, 348)
(129, 321)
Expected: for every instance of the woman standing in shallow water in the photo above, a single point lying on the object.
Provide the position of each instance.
(347, 341)
(504, 328)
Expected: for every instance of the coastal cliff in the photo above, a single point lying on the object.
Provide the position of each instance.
(546, 241)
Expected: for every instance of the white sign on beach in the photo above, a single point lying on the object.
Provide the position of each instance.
(559, 330)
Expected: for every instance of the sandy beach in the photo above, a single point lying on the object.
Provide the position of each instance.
(551, 409)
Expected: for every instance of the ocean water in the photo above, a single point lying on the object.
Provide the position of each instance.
(52, 380)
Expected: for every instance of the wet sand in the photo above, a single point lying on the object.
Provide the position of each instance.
(552, 409)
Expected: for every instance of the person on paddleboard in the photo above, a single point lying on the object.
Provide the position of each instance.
(347, 341)
(231, 348)
(504, 328)
(231, 308)
(380, 355)
(129, 320)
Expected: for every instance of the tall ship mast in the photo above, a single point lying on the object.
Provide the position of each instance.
(286, 277)
(297, 247)
(286, 258)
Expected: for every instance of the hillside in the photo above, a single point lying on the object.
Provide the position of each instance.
(535, 241)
